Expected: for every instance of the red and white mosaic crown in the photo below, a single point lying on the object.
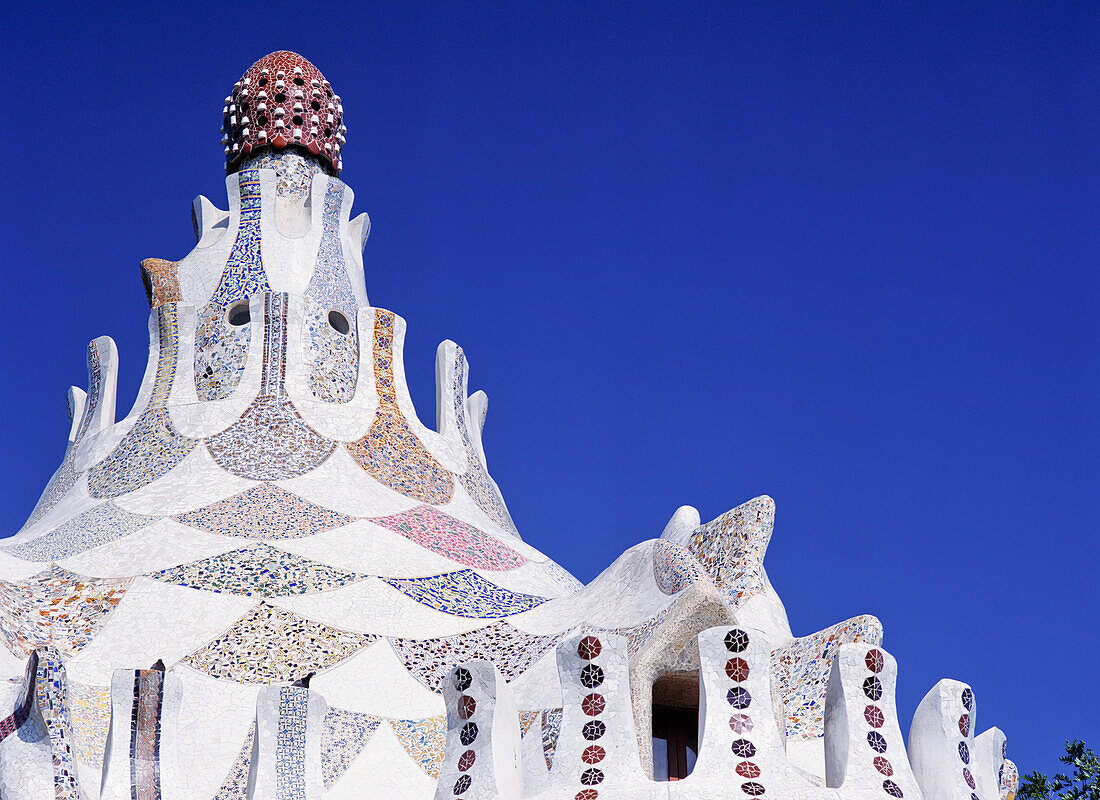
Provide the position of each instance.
(283, 101)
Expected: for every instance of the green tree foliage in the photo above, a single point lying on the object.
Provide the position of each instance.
(1083, 785)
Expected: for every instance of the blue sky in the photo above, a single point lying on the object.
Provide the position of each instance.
(841, 254)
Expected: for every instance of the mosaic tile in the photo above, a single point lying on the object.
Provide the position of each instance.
(674, 567)
(66, 476)
(638, 635)
(270, 441)
(96, 379)
(90, 712)
(551, 729)
(257, 114)
(221, 353)
(51, 691)
(101, 524)
(290, 744)
(731, 549)
(511, 650)
(390, 452)
(244, 274)
(476, 480)
(465, 594)
(162, 281)
(24, 702)
(423, 740)
(145, 734)
(59, 485)
(269, 645)
(153, 446)
(345, 735)
(221, 349)
(257, 569)
(55, 607)
(561, 576)
(800, 672)
(1009, 781)
(333, 356)
(527, 719)
(264, 512)
(453, 538)
(293, 173)
(235, 785)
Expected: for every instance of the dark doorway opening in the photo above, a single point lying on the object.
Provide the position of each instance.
(675, 726)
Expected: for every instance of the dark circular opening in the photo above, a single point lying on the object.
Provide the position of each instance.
(262, 119)
(262, 82)
(315, 105)
(238, 314)
(328, 131)
(299, 82)
(296, 120)
(280, 97)
(338, 322)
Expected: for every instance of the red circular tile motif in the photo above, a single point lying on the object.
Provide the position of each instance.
(589, 647)
(586, 794)
(747, 769)
(593, 754)
(873, 715)
(466, 760)
(883, 766)
(964, 724)
(892, 788)
(593, 704)
(875, 660)
(968, 778)
(466, 706)
(737, 669)
(752, 789)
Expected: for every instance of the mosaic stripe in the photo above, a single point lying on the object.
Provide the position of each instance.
(270, 441)
(264, 512)
(390, 452)
(153, 446)
(145, 735)
(453, 538)
(465, 594)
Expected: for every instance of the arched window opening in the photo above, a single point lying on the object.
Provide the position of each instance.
(675, 725)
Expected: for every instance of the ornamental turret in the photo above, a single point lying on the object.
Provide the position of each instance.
(272, 580)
